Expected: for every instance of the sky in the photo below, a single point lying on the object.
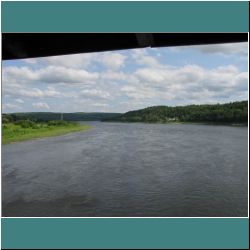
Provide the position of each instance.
(125, 80)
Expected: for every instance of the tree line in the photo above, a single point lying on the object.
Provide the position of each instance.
(234, 112)
(51, 116)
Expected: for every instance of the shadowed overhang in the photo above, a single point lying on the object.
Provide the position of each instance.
(31, 45)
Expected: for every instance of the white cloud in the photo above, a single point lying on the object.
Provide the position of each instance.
(113, 60)
(111, 75)
(168, 75)
(222, 49)
(114, 81)
(50, 74)
(70, 61)
(21, 90)
(41, 105)
(138, 53)
(51, 92)
(10, 106)
(100, 105)
(55, 74)
(30, 61)
(15, 74)
(89, 93)
(226, 49)
(148, 60)
(189, 84)
(141, 57)
(139, 92)
(19, 100)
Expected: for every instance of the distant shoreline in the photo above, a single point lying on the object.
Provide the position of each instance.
(233, 113)
(188, 123)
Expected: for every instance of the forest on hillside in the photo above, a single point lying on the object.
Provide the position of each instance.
(234, 112)
(51, 116)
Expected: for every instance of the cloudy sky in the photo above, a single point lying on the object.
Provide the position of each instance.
(126, 80)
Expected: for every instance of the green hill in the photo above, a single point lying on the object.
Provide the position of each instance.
(50, 116)
(235, 112)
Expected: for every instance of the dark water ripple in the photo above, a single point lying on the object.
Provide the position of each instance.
(119, 169)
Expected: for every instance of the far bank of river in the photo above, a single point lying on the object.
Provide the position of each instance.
(15, 133)
(194, 123)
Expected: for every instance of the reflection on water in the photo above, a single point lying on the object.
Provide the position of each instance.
(120, 169)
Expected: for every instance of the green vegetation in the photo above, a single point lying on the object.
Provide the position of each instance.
(50, 116)
(229, 113)
(31, 125)
(20, 130)
(25, 126)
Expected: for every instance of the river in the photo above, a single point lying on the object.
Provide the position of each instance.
(129, 170)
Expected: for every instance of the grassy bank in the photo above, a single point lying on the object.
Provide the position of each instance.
(27, 130)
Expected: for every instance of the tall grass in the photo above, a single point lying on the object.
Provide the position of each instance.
(26, 130)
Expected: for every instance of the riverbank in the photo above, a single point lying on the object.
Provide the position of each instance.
(190, 123)
(15, 133)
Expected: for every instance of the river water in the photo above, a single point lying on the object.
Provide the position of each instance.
(128, 169)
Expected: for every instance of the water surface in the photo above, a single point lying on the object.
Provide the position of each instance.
(128, 169)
